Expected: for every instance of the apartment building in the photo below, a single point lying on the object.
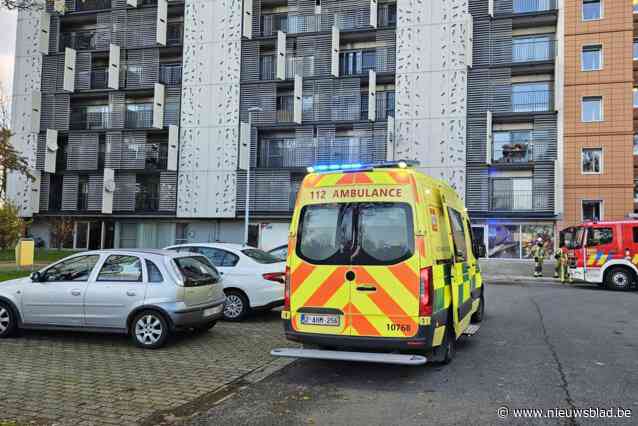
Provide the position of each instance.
(141, 117)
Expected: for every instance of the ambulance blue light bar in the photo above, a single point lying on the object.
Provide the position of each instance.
(322, 168)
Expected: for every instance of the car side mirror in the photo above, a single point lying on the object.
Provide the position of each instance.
(37, 277)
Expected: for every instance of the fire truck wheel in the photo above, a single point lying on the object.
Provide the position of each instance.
(618, 278)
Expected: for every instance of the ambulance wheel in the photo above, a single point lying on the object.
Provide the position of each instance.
(477, 316)
(444, 354)
(618, 278)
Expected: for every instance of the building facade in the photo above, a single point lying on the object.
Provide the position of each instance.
(141, 117)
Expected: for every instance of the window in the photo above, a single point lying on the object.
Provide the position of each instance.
(635, 6)
(530, 97)
(197, 271)
(592, 209)
(636, 144)
(529, 49)
(592, 109)
(325, 232)
(635, 190)
(307, 104)
(635, 231)
(218, 257)
(260, 256)
(121, 268)
(154, 274)
(598, 236)
(511, 194)
(635, 49)
(592, 58)
(458, 235)
(635, 93)
(75, 269)
(592, 10)
(512, 146)
(592, 160)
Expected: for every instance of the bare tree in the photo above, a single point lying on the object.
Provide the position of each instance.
(10, 158)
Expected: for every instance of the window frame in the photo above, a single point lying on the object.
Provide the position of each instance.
(140, 281)
(601, 208)
(582, 11)
(582, 162)
(600, 54)
(582, 109)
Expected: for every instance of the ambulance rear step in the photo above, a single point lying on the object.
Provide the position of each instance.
(381, 358)
(471, 329)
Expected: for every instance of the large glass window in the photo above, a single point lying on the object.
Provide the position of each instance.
(121, 268)
(635, 93)
(592, 209)
(592, 109)
(592, 160)
(529, 49)
(511, 194)
(528, 6)
(635, 55)
(75, 269)
(530, 97)
(504, 241)
(512, 146)
(592, 58)
(592, 10)
(530, 235)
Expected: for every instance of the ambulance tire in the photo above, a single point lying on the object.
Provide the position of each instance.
(444, 354)
(477, 316)
(619, 278)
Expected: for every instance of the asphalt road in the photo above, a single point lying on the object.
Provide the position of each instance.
(541, 345)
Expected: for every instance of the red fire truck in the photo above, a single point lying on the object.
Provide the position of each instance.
(605, 253)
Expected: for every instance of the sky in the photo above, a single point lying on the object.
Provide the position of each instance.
(8, 22)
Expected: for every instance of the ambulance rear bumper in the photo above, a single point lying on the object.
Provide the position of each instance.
(381, 358)
(421, 341)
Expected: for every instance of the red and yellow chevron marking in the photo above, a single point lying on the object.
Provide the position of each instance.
(391, 177)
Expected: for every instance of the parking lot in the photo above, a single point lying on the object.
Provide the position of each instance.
(80, 378)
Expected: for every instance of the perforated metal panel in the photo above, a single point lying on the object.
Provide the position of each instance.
(113, 154)
(124, 196)
(83, 71)
(96, 183)
(70, 184)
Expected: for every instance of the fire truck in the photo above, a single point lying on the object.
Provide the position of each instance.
(604, 253)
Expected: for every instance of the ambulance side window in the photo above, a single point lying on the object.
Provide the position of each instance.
(458, 235)
(599, 236)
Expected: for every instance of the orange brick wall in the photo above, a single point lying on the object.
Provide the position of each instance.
(614, 186)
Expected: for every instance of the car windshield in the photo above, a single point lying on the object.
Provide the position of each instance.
(197, 271)
(356, 233)
(260, 256)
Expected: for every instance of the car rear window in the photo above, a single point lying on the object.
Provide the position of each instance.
(197, 271)
(356, 233)
(260, 256)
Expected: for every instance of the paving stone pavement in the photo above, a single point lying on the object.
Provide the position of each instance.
(100, 379)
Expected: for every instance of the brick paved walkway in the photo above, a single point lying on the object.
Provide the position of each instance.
(79, 378)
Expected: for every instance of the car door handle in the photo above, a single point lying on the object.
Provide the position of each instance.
(366, 288)
(130, 293)
(76, 292)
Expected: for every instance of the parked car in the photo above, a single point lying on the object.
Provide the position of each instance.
(253, 279)
(280, 252)
(145, 293)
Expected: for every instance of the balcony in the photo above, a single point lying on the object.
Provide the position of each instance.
(174, 34)
(533, 50)
(86, 5)
(144, 156)
(359, 62)
(513, 153)
(512, 201)
(146, 200)
(79, 40)
(532, 6)
(83, 119)
(384, 107)
(139, 118)
(532, 101)
(299, 153)
(171, 74)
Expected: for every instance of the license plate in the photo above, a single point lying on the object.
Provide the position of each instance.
(313, 319)
(212, 311)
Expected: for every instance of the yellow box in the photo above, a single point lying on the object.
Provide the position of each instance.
(25, 252)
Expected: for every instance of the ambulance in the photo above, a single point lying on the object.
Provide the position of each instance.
(603, 253)
(381, 267)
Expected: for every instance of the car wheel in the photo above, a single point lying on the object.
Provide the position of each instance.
(204, 327)
(618, 279)
(8, 321)
(444, 354)
(236, 306)
(149, 330)
(477, 316)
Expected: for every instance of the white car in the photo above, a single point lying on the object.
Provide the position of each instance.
(252, 278)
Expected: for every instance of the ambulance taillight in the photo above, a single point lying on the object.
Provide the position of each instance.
(287, 290)
(425, 290)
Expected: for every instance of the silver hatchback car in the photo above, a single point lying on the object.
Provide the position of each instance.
(145, 293)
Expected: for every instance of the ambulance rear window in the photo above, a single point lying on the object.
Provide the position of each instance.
(384, 234)
(325, 234)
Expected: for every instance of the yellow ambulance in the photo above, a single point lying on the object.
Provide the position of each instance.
(381, 267)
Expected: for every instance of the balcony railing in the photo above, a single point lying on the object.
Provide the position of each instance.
(513, 153)
(146, 201)
(295, 153)
(83, 120)
(285, 115)
(99, 78)
(84, 5)
(533, 51)
(532, 101)
(139, 119)
(303, 66)
(512, 200)
(147, 156)
(174, 34)
(384, 106)
(531, 6)
(171, 75)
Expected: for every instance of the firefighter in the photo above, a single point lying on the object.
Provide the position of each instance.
(558, 257)
(538, 252)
